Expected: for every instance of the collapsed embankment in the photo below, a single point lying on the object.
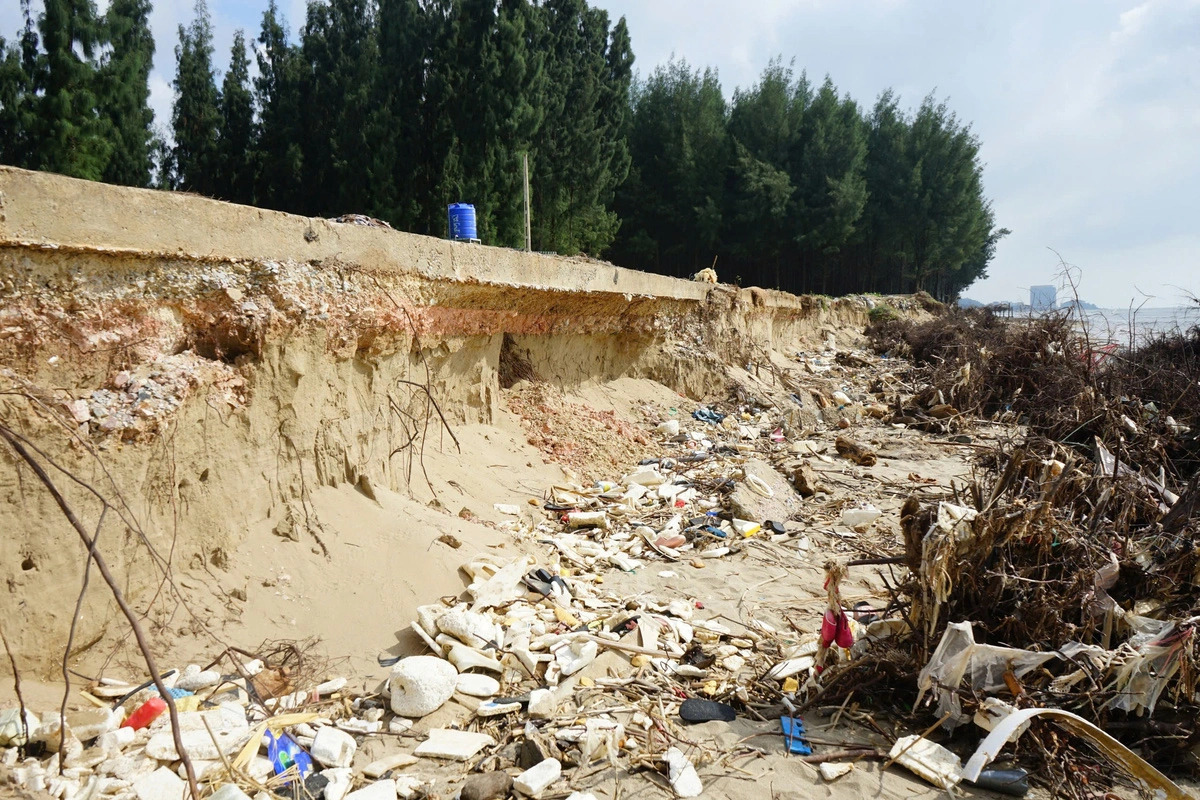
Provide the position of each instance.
(192, 370)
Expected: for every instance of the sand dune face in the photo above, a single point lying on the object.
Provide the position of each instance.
(285, 414)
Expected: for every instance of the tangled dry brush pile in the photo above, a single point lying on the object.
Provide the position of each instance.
(1068, 577)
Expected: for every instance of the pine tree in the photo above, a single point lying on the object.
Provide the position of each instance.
(124, 93)
(196, 115)
(827, 157)
(340, 56)
(68, 134)
(672, 205)
(235, 139)
(277, 93)
(398, 171)
(15, 99)
(580, 152)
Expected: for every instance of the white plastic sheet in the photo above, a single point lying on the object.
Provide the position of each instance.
(958, 658)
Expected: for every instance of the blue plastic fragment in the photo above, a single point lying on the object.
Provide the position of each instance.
(793, 736)
(285, 754)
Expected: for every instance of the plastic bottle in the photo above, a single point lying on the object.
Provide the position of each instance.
(146, 713)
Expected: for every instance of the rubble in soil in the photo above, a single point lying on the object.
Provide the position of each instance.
(588, 658)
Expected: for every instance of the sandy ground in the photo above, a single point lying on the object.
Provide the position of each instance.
(388, 553)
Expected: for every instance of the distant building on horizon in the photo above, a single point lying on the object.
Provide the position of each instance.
(1043, 298)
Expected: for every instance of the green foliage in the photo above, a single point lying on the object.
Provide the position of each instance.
(673, 203)
(124, 92)
(882, 313)
(277, 95)
(816, 195)
(235, 139)
(396, 108)
(196, 116)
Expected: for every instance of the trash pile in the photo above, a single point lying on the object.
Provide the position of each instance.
(1064, 581)
(1050, 597)
(561, 675)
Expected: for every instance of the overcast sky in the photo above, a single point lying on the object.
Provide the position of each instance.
(1088, 110)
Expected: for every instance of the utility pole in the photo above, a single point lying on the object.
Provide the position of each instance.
(528, 235)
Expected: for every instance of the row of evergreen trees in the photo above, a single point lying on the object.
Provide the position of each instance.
(75, 91)
(794, 186)
(395, 108)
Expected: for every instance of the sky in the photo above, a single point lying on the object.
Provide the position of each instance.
(1088, 111)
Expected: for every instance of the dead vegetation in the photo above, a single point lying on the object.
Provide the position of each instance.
(1066, 576)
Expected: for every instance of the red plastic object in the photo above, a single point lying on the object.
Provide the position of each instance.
(146, 713)
(836, 628)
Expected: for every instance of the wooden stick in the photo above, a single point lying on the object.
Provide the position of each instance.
(130, 616)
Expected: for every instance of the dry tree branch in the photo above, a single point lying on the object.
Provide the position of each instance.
(66, 671)
(101, 564)
(17, 689)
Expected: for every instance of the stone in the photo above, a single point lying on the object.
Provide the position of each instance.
(531, 754)
(230, 791)
(381, 766)
(533, 781)
(748, 501)
(453, 745)
(162, 784)
(420, 685)
(478, 685)
(542, 704)
(490, 708)
(682, 774)
(380, 790)
(831, 771)
(340, 781)
(487, 786)
(804, 480)
(333, 748)
(198, 744)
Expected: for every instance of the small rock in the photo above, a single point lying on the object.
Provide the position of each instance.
(533, 781)
(380, 767)
(333, 747)
(531, 754)
(162, 784)
(380, 790)
(421, 685)
(453, 745)
(488, 786)
(478, 685)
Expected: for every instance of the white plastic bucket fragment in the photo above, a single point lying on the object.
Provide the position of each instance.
(929, 760)
(958, 657)
(1148, 779)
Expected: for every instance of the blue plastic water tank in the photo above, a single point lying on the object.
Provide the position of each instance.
(461, 220)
